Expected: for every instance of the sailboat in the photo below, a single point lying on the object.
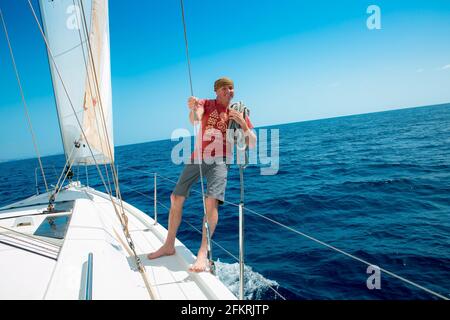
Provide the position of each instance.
(73, 241)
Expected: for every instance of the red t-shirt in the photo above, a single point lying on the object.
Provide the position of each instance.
(214, 131)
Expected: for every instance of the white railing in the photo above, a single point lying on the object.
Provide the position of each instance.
(241, 242)
(240, 260)
(242, 209)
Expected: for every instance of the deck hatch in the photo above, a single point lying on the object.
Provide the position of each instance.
(53, 227)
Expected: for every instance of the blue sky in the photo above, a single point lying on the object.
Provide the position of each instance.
(291, 61)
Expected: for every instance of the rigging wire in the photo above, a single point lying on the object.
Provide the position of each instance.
(97, 88)
(273, 221)
(199, 142)
(122, 218)
(322, 243)
(89, 83)
(65, 171)
(200, 232)
(187, 47)
(112, 165)
(348, 255)
(68, 97)
(24, 102)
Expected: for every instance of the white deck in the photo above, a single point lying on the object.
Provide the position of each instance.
(30, 269)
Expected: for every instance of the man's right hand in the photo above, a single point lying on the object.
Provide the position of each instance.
(193, 103)
(196, 109)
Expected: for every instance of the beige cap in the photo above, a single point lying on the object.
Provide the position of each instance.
(222, 82)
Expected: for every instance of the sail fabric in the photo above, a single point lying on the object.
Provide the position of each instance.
(81, 75)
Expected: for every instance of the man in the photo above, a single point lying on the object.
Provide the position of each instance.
(214, 116)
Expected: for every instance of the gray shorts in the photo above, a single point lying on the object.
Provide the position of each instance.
(216, 180)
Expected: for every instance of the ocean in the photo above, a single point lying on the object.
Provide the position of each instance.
(376, 186)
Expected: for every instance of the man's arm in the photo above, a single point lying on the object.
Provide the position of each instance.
(196, 109)
(250, 136)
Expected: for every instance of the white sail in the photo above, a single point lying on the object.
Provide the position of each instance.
(81, 75)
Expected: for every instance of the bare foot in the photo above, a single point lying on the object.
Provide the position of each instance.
(163, 251)
(201, 264)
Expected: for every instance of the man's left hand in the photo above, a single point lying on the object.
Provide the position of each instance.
(239, 118)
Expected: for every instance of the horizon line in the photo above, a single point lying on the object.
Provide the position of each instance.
(259, 127)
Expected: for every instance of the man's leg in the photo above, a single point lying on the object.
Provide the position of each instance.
(180, 193)
(212, 214)
(176, 212)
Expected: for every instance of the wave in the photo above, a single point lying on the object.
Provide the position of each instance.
(256, 286)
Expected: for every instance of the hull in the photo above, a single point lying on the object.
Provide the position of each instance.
(46, 256)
